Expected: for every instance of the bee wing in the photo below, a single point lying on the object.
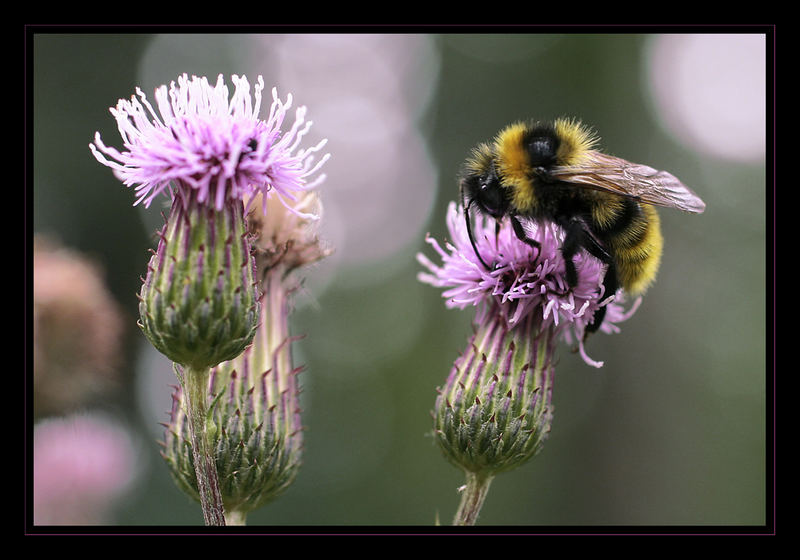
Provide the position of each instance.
(618, 176)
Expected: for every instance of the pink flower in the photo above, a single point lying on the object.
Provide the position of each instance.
(202, 141)
(80, 465)
(524, 281)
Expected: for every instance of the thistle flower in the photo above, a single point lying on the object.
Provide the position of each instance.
(205, 144)
(257, 432)
(495, 409)
(524, 281)
(210, 153)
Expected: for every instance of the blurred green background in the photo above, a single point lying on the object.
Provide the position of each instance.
(671, 431)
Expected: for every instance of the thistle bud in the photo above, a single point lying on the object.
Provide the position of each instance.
(254, 430)
(257, 434)
(199, 302)
(495, 410)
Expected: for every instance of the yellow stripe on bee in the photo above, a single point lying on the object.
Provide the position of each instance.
(513, 160)
(513, 165)
(480, 159)
(605, 208)
(637, 265)
(576, 141)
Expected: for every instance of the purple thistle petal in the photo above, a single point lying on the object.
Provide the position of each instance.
(201, 139)
(523, 280)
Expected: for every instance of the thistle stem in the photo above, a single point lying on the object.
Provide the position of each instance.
(195, 384)
(472, 498)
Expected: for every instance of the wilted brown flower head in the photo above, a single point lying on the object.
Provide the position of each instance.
(286, 234)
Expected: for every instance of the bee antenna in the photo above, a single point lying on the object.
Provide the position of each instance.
(469, 231)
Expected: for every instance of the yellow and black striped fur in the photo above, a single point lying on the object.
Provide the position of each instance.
(604, 204)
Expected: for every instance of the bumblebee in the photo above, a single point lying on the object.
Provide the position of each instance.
(604, 204)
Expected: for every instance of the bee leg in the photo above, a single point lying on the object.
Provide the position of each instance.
(610, 280)
(472, 237)
(576, 238)
(610, 286)
(520, 233)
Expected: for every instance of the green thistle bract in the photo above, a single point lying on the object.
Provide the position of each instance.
(254, 431)
(495, 411)
(254, 417)
(199, 302)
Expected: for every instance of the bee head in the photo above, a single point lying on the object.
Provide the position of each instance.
(480, 184)
(482, 188)
(487, 194)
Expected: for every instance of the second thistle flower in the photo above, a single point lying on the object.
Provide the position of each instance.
(495, 409)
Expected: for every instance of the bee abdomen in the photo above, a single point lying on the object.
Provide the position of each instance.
(633, 233)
